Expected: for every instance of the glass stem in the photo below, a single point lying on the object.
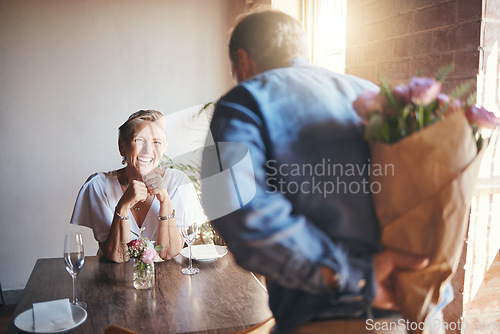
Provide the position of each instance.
(74, 291)
(190, 258)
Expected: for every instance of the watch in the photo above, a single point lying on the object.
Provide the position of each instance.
(170, 216)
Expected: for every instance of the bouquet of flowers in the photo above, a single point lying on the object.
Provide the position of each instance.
(433, 144)
(144, 253)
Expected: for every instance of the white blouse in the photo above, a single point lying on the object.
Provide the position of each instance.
(98, 197)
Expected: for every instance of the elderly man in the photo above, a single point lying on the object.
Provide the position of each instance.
(286, 184)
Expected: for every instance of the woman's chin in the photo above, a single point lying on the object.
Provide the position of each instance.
(143, 170)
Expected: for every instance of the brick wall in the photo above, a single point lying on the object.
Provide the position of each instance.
(397, 38)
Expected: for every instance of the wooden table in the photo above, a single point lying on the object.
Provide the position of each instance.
(222, 298)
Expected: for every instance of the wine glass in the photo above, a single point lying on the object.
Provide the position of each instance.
(74, 259)
(189, 229)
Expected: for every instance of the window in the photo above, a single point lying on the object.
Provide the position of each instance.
(325, 24)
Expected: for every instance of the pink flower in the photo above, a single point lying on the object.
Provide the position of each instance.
(423, 90)
(369, 102)
(443, 99)
(482, 117)
(149, 255)
(450, 105)
(402, 92)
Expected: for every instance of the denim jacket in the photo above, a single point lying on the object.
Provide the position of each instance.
(286, 184)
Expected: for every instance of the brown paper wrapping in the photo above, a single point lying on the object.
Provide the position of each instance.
(423, 205)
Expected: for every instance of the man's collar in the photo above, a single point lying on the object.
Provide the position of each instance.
(297, 61)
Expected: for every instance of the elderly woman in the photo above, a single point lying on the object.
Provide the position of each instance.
(140, 195)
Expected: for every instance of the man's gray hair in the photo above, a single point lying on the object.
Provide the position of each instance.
(270, 38)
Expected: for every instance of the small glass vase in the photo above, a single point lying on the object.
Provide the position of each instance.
(144, 275)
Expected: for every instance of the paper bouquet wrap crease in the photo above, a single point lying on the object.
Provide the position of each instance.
(423, 205)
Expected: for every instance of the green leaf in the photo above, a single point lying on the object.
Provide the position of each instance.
(431, 113)
(443, 72)
(463, 88)
(191, 169)
(419, 113)
(385, 132)
(208, 107)
(427, 116)
(373, 130)
(405, 112)
(471, 100)
(402, 120)
(480, 142)
(386, 91)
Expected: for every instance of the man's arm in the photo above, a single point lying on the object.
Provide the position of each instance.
(264, 233)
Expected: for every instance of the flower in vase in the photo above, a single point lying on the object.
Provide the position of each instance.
(143, 249)
(149, 256)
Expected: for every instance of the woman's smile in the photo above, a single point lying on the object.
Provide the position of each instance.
(145, 160)
(145, 150)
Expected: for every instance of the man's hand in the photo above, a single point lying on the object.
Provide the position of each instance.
(385, 264)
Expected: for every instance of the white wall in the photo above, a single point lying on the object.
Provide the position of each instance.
(71, 71)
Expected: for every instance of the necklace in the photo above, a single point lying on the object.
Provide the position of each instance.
(137, 207)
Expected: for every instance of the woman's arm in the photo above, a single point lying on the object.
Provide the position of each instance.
(114, 247)
(168, 233)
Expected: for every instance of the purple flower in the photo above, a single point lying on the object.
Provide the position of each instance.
(369, 102)
(402, 92)
(443, 99)
(482, 117)
(451, 105)
(423, 90)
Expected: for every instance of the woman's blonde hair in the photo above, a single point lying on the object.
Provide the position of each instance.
(126, 130)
